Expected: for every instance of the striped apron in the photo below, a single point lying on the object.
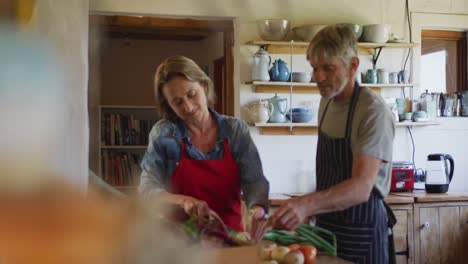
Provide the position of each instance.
(363, 231)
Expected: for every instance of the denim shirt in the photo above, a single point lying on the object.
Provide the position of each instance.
(163, 155)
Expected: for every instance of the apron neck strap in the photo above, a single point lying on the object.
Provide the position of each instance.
(352, 107)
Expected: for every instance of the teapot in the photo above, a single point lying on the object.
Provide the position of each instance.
(279, 72)
(260, 111)
(279, 109)
(262, 61)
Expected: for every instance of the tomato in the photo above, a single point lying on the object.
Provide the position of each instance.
(310, 254)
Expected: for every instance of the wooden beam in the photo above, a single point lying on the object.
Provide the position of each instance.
(160, 22)
(443, 34)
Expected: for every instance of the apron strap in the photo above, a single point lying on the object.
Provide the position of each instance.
(354, 100)
(183, 149)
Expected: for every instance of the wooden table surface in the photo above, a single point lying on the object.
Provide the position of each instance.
(420, 196)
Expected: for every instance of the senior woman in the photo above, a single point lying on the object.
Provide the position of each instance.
(198, 159)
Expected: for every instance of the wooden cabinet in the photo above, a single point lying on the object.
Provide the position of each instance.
(441, 232)
(403, 233)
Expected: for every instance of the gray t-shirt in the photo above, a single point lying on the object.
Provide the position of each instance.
(373, 130)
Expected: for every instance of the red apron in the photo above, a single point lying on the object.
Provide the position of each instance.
(216, 182)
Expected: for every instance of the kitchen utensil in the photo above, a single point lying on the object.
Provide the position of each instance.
(261, 66)
(402, 176)
(273, 29)
(438, 176)
(448, 104)
(300, 115)
(260, 111)
(464, 103)
(403, 76)
(436, 97)
(280, 105)
(357, 29)
(279, 72)
(303, 77)
(378, 33)
(307, 32)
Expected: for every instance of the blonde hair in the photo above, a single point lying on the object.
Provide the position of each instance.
(179, 66)
(334, 41)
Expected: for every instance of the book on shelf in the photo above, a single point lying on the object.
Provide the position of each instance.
(124, 130)
(120, 168)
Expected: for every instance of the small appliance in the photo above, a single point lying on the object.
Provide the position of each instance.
(402, 176)
(438, 176)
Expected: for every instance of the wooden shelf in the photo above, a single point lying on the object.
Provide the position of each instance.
(413, 124)
(311, 88)
(128, 106)
(287, 128)
(300, 47)
(124, 147)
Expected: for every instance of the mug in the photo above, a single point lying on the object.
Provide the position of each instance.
(403, 76)
(408, 115)
(382, 76)
(401, 106)
(393, 77)
(371, 76)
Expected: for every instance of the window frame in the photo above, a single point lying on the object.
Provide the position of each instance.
(460, 37)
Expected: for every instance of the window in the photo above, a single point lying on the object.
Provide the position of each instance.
(443, 61)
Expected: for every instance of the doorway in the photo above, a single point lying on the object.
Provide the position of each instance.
(123, 56)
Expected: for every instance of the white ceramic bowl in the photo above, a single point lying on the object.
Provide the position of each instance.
(307, 32)
(273, 29)
(303, 77)
(379, 33)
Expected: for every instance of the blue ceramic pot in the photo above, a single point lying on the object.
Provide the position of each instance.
(300, 115)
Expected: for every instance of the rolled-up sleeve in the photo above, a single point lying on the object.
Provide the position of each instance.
(254, 185)
(152, 180)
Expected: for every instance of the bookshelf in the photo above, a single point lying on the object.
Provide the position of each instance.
(123, 132)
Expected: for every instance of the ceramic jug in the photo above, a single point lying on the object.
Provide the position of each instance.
(260, 111)
(280, 106)
(262, 61)
(279, 72)
(371, 76)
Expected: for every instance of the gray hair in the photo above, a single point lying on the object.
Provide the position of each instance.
(183, 67)
(334, 41)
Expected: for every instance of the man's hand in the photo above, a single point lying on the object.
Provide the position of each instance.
(291, 214)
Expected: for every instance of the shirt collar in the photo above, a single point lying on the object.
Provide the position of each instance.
(182, 130)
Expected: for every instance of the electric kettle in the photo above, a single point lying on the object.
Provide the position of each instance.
(438, 176)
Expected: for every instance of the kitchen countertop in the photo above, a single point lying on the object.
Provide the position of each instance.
(418, 196)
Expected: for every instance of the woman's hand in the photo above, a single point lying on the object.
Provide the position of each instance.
(193, 206)
(258, 224)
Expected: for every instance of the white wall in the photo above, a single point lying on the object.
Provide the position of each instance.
(63, 26)
(289, 161)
